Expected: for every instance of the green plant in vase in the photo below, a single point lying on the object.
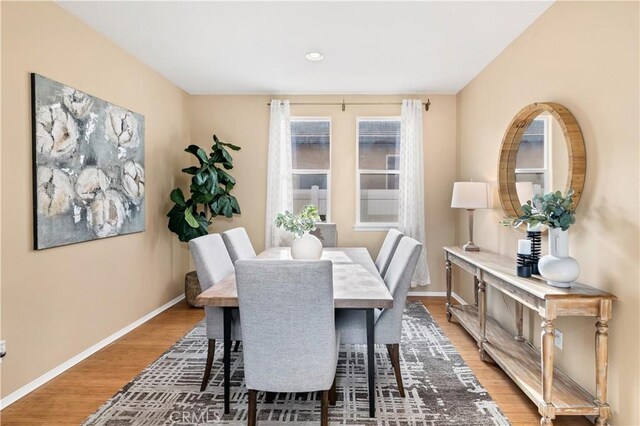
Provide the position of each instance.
(305, 246)
(298, 224)
(210, 189)
(553, 209)
(557, 212)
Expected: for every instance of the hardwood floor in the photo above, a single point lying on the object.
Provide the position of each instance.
(75, 394)
(72, 396)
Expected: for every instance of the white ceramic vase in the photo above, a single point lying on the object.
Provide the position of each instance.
(306, 247)
(558, 268)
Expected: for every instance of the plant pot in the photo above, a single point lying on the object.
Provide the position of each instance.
(558, 268)
(192, 288)
(306, 247)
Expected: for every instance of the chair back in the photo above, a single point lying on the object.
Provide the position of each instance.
(288, 325)
(387, 250)
(212, 265)
(211, 259)
(398, 280)
(327, 233)
(238, 244)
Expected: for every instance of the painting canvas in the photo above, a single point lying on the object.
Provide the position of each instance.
(88, 166)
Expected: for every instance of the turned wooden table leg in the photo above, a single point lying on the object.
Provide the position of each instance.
(447, 267)
(602, 362)
(482, 317)
(547, 410)
(519, 337)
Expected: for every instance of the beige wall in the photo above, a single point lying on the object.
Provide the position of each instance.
(58, 302)
(244, 120)
(583, 55)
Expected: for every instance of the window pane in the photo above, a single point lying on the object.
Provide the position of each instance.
(531, 151)
(537, 179)
(379, 144)
(379, 198)
(310, 189)
(310, 141)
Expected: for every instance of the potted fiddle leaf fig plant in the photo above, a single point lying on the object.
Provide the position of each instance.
(210, 190)
(210, 196)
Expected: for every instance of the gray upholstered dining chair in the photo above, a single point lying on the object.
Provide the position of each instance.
(351, 324)
(290, 342)
(238, 244)
(212, 265)
(327, 233)
(389, 245)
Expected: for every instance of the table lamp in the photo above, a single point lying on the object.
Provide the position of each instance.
(470, 196)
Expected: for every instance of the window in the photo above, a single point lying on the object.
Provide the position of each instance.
(378, 172)
(532, 158)
(311, 164)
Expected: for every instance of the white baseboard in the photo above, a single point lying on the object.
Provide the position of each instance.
(437, 294)
(31, 386)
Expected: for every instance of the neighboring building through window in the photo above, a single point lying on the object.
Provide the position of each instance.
(378, 171)
(311, 165)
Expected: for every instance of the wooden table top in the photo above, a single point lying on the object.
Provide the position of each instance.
(356, 281)
(505, 269)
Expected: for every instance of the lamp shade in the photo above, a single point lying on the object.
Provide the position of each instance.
(470, 195)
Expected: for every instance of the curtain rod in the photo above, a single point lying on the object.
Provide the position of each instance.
(344, 104)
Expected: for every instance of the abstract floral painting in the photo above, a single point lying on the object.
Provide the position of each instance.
(88, 166)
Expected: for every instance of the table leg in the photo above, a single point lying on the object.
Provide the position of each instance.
(519, 337)
(371, 362)
(482, 317)
(447, 267)
(602, 362)
(547, 410)
(227, 357)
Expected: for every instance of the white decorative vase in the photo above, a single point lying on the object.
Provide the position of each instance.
(306, 247)
(558, 268)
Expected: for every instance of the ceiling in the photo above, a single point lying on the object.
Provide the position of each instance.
(259, 47)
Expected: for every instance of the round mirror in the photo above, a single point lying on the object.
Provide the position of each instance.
(542, 151)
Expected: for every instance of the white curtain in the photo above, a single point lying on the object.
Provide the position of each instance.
(411, 201)
(279, 181)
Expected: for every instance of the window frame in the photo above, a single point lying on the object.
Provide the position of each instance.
(317, 171)
(545, 170)
(371, 226)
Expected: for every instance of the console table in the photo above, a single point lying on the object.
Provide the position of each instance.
(553, 391)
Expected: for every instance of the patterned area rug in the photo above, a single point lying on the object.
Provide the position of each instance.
(440, 388)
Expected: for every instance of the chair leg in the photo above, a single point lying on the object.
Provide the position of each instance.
(394, 352)
(235, 348)
(390, 355)
(324, 409)
(332, 393)
(207, 370)
(252, 411)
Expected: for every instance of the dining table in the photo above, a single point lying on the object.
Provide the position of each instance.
(357, 284)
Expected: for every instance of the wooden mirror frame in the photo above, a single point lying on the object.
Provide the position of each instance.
(511, 143)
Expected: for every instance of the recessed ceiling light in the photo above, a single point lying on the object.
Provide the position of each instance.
(314, 56)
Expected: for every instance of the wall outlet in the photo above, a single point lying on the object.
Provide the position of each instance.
(558, 339)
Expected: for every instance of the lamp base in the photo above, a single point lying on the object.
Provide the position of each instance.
(470, 247)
